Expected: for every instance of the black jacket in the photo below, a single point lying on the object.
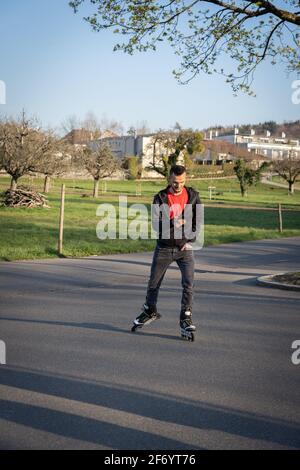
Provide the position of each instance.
(160, 202)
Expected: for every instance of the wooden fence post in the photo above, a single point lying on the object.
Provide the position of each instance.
(138, 188)
(279, 218)
(61, 220)
(104, 187)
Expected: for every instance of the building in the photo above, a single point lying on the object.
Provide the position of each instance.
(270, 147)
(140, 146)
(219, 151)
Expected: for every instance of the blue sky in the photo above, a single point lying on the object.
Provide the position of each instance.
(55, 66)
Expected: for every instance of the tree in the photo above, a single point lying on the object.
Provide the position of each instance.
(133, 167)
(246, 175)
(99, 162)
(141, 128)
(89, 125)
(111, 126)
(171, 147)
(71, 123)
(288, 169)
(132, 131)
(92, 125)
(200, 31)
(23, 147)
(55, 162)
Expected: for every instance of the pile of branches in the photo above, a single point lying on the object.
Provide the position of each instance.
(23, 196)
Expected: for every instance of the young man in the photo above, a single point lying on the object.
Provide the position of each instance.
(171, 219)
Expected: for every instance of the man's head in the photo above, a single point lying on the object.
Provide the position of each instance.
(177, 178)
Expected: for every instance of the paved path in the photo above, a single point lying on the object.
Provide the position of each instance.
(77, 378)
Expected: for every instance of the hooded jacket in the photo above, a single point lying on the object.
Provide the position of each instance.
(161, 213)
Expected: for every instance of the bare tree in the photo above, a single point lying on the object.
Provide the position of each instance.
(91, 124)
(141, 128)
(23, 147)
(71, 123)
(288, 168)
(100, 163)
(55, 162)
(91, 127)
(111, 125)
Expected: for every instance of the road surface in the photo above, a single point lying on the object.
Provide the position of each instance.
(77, 378)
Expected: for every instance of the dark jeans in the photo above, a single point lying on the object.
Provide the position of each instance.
(162, 258)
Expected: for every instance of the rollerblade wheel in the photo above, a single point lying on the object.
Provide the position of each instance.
(133, 328)
(188, 336)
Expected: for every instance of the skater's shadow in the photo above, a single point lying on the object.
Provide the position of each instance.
(92, 326)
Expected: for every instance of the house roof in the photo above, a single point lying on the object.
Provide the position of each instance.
(234, 150)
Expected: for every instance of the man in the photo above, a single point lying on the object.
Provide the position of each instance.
(177, 228)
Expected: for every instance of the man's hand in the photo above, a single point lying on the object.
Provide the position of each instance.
(186, 246)
(179, 223)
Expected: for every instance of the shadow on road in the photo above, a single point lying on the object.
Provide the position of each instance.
(137, 401)
(93, 326)
(84, 429)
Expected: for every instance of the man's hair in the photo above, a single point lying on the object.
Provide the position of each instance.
(177, 170)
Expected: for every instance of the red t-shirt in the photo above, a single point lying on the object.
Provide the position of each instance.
(177, 203)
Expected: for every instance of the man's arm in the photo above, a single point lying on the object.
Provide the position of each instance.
(195, 226)
(155, 214)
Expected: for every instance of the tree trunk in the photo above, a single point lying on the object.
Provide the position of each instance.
(96, 188)
(243, 189)
(291, 187)
(46, 184)
(13, 184)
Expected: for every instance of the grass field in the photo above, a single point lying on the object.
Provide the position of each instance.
(33, 233)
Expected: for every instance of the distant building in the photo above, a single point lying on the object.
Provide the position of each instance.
(270, 147)
(79, 137)
(140, 146)
(218, 152)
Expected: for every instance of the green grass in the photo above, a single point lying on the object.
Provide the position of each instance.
(33, 233)
(227, 190)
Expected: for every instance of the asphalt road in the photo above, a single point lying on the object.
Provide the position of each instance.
(77, 378)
